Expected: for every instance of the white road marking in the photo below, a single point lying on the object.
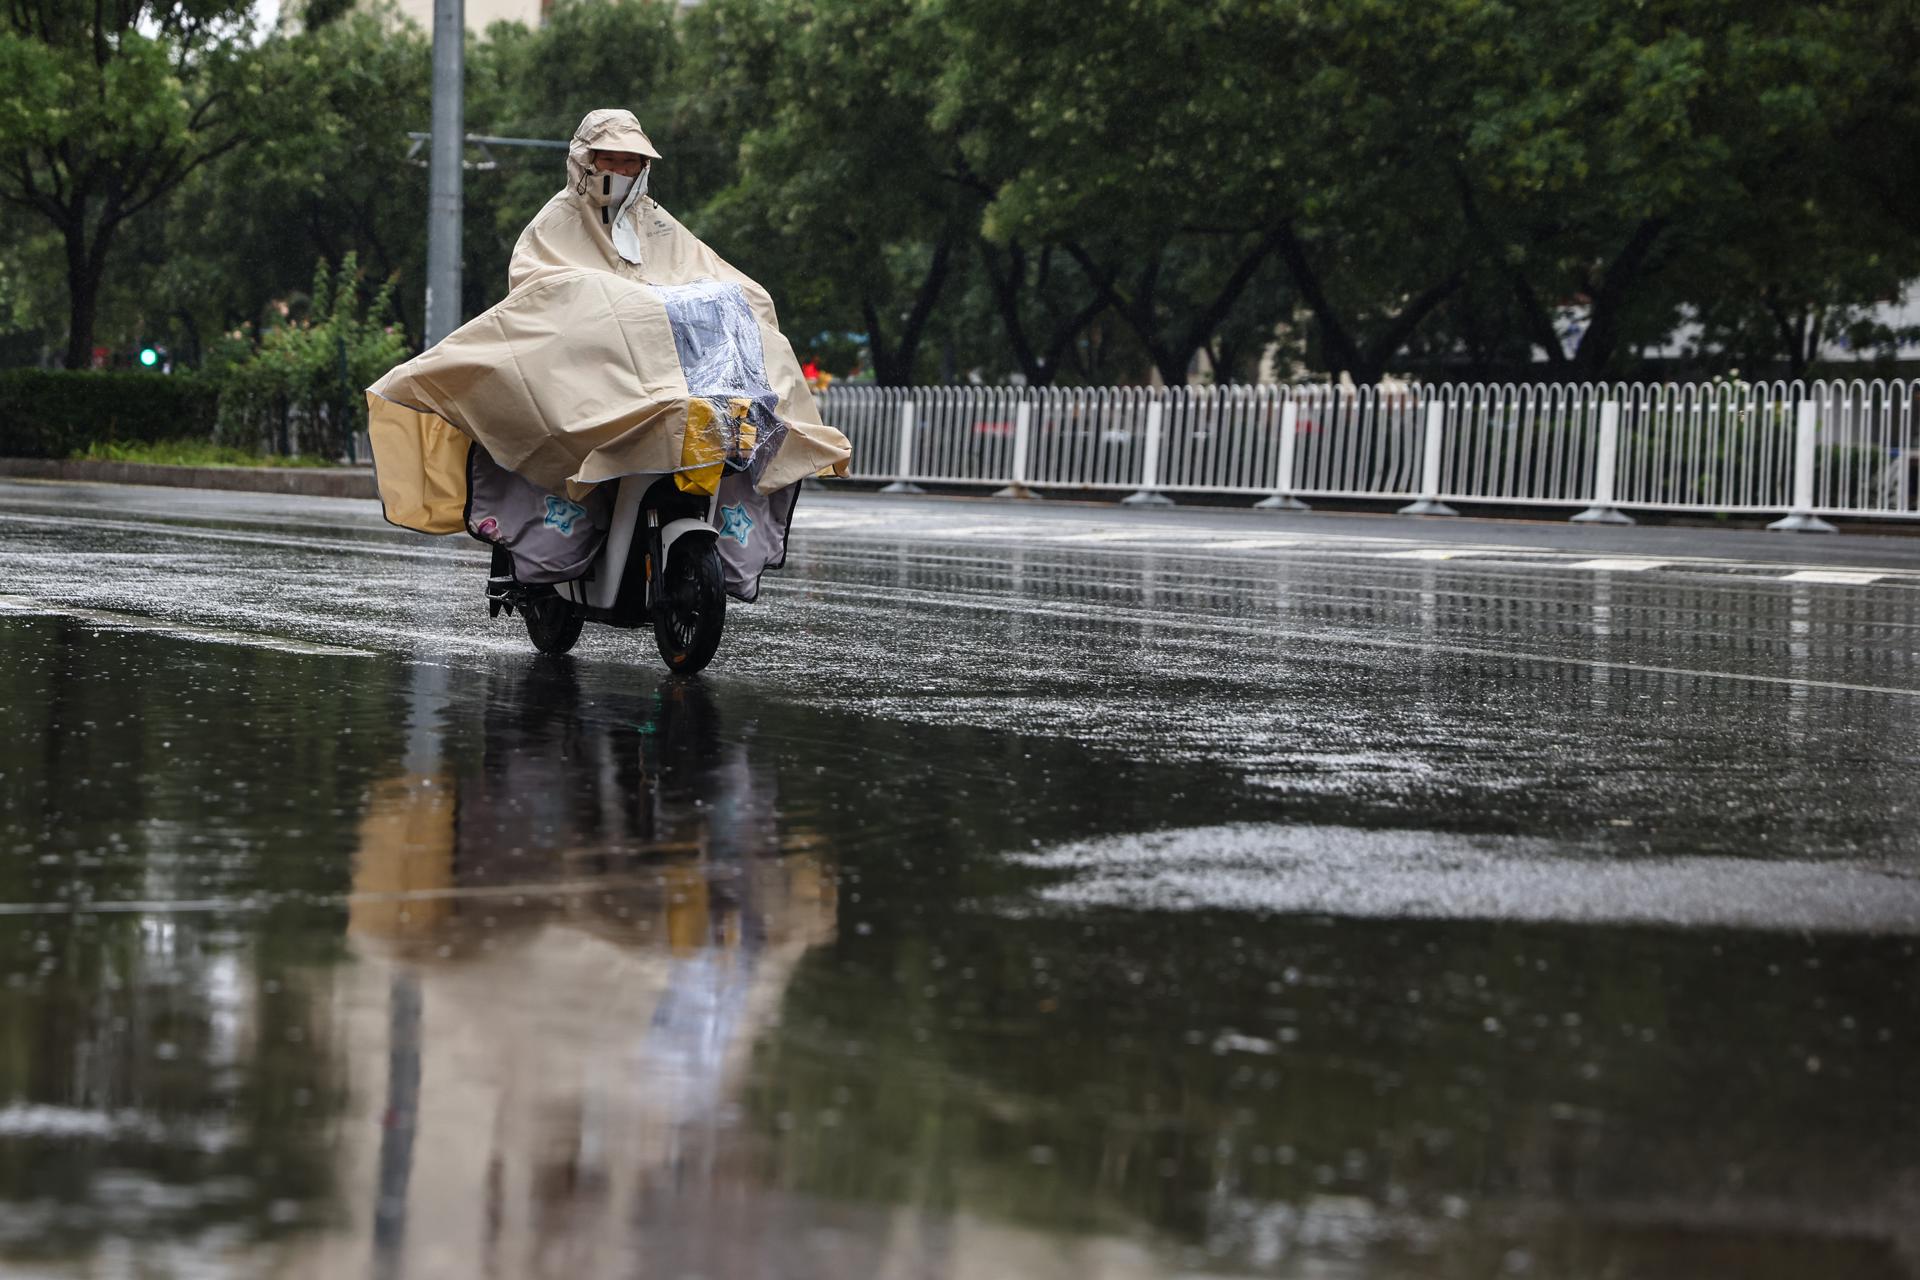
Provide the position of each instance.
(1055, 611)
(1839, 577)
(1432, 553)
(835, 522)
(971, 531)
(1620, 563)
(1249, 544)
(1108, 535)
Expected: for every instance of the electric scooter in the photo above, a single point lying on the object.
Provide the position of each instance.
(659, 567)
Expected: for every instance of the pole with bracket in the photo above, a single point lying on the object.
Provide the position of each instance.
(903, 461)
(1149, 495)
(444, 177)
(1283, 499)
(1800, 517)
(485, 142)
(1604, 467)
(1022, 438)
(1430, 504)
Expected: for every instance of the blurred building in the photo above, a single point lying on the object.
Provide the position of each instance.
(482, 14)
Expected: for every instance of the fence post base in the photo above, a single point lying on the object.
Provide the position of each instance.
(1146, 498)
(1281, 502)
(1802, 522)
(903, 486)
(1602, 515)
(1016, 490)
(1427, 507)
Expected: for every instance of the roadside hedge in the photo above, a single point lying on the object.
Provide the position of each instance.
(295, 388)
(48, 413)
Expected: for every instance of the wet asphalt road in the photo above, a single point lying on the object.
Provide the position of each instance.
(1054, 892)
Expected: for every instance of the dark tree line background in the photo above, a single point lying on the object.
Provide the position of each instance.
(1098, 192)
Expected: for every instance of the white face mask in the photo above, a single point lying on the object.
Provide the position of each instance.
(609, 188)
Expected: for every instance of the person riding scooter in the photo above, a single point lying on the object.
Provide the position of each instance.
(626, 349)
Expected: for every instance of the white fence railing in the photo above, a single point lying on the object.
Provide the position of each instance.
(1802, 448)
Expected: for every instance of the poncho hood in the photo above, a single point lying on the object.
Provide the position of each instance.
(608, 129)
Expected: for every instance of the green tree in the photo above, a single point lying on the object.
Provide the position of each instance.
(330, 181)
(845, 203)
(1635, 158)
(1126, 138)
(108, 109)
(28, 250)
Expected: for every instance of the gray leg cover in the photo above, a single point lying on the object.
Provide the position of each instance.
(753, 532)
(550, 538)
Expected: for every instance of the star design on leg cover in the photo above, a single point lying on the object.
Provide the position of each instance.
(735, 523)
(561, 514)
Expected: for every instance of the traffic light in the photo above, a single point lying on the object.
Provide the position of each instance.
(149, 356)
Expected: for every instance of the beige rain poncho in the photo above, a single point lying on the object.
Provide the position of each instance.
(582, 374)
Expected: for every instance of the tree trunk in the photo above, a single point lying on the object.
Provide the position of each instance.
(1602, 338)
(1172, 354)
(188, 325)
(83, 298)
(1539, 325)
(893, 365)
(1008, 281)
(1800, 332)
(86, 268)
(1005, 284)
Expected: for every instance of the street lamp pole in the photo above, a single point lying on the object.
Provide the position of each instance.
(444, 194)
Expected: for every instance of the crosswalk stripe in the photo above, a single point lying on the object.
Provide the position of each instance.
(1623, 564)
(1838, 577)
(1249, 544)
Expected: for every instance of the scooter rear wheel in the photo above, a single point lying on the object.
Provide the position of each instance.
(553, 622)
(691, 609)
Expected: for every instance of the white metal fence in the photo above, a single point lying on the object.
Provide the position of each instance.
(1805, 449)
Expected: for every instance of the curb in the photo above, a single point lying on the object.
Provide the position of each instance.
(306, 482)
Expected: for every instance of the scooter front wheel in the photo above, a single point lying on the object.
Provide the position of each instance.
(553, 622)
(691, 608)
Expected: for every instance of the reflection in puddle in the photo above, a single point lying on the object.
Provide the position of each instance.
(565, 948)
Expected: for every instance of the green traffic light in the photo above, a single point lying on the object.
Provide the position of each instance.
(149, 357)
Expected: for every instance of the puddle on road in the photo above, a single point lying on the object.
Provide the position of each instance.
(551, 968)
(110, 620)
(1414, 875)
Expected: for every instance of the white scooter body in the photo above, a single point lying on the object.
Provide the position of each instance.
(680, 578)
(600, 589)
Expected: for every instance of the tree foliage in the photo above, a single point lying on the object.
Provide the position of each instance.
(1104, 191)
(108, 109)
